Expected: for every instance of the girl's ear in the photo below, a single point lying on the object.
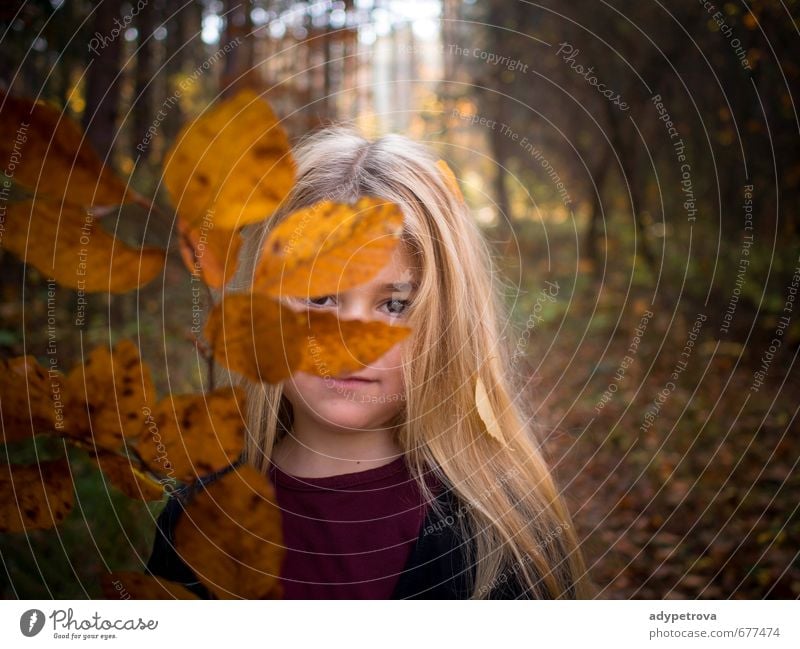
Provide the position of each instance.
(450, 179)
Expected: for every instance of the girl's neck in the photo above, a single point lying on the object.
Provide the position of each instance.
(313, 451)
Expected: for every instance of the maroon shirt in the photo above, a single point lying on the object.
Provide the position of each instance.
(347, 536)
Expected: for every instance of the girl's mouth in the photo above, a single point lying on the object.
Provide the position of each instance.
(352, 382)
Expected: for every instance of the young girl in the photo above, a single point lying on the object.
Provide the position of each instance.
(389, 483)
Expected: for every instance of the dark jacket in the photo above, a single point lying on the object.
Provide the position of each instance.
(436, 567)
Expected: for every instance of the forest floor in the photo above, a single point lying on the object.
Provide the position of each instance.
(682, 479)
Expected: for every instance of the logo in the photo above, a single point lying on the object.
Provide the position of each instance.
(31, 622)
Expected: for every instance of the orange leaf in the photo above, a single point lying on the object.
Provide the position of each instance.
(64, 242)
(484, 406)
(126, 584)
(52, 156)
(108, 396)
(30, 399)
(126, 476)
(35, 497)
(194, 434)
(210, 253)
(266, 341)
(332, 346)
(328, 248)
(450, 179)
(254, 337)
(234, 160)
(230, 536)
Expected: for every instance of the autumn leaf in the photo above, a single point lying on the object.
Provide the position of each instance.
(484, 406)
(97, 403)
(450, 179)
(52, 156)
(126, 584)
(328, 247)
(64, 242)
(209, 252)
(127, 476)
(254, 337)
(332, 346)
(230, 536)
(38, 496)
(233, 161)
(30, 399)
(264, 340)
(108, 396)
(194, 434)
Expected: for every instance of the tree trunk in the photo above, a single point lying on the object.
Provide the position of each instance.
(143, 94)
(599, 174)
(239, 60)
(632, 183)
(102, 86)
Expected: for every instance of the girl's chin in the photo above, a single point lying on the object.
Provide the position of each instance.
(345, 425)
(352, 415)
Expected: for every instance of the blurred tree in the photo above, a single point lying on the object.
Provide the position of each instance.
(103, 77)
(146, 65)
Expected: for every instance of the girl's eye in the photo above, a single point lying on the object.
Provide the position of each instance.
(394, 307)
(401, 305)
(316, 301)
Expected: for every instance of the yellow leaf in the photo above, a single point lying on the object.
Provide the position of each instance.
(233, 161)
(128, 477)
(260, 338)
(194, 434)
(65, 243)
(332, 346)
(230, 536)
(486, 412)
(210, 253)
(328, 248)
(51, 155)
(107, 396)
(254, 337)
(450, 179)
(30, 399)
(750, 21)
(125, 584)
(35, 497)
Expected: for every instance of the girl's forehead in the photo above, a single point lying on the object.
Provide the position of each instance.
(400, 282)
(399, 270)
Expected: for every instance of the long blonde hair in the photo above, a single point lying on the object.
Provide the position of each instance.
(511, 505)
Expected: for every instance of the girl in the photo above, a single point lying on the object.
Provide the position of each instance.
(389, 483)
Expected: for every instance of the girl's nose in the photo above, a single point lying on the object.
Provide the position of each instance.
(354, 309)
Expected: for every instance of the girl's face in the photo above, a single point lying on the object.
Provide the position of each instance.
(368, 404)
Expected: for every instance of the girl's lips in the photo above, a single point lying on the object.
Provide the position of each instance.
(352, 383)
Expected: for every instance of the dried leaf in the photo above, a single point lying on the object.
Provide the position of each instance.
(128, 477)
(108, 396)
(266, 341)
(65, 242)
(486, 412)
(254, 337)
(125, 584)
(230, 536)
(328, 248)
(450, 179)
(209, 252)
(30, 399)
(52, 155)
(233, 161)
(195, 434)
(332, 346)
(32, 497)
